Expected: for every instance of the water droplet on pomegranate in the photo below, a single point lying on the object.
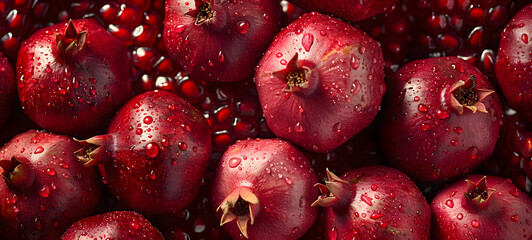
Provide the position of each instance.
(442, 114)
(288, 181)
(515, 218)
(475, 224)
(307, 41)
(337, 127)
(472, 152)
(221, 57)
(50, 172)
(425, 126)
(48, 69)
(242, 27)
(39, 150)
(366, 199)
(524, 38)
(44, 191)
(515, 193)
(37, 224)
(234, 162)
(454, 142)
(42, 207)
(460, 216)
(182, 145)
(147, 120)
(355, 62)
(333, 234)
(375, 216)
(174, 162)
(151, 149)
(449, 203)
(422, 108)
(374, 187)
(416, 98)
(151, 175)
(180, 28)
(294, 230)
(298, 127)
(283, 62)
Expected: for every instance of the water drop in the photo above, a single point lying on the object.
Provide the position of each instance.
(333, 234)
(442, 114)
(39, 149)
(221, 57)
(524, 38)
(148, 120)
(449, 203)
(234, 162)
(288, 181)
(515, 218)
(298, 127)
(337, 127)
(151, 175)
(374, 187)
(307, 41)
(472, 152)
(44, 191)
(182, 145)
(50, 172)
(460, 216)
(242, 27)
(366, 199)
(180, 28)
(376, 216)
(151, 149)
(475, 224)
(422, 108)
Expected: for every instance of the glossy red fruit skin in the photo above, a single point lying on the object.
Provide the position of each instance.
(118, 225)
(154, 154)
(282, 180)
(505, 215)
(345, 82)
(346, 9)
(73, 94)
(225, 48)
(8, 89)
(514, 62)
(377, 202)
(61, 192)
(423, 135)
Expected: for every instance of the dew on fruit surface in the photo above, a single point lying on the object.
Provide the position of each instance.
(442, 114)
(242, 27)
(298, 127)
(307, 41)
(524, 38)
(294, 230)
(472, 152)
(422, 108)
(174, 162)
(449, 203)
(355, 87)
(234, 162)
(475, 224)
(283, 62)
(515, 218)
(454, 142)
(221, 57)
(515, 193)
(424, 126)
(37, 223)
(44, 191)
(182, 145)
(355, 62)
(288, 181)
(50, 172)
(366, 199)
(39, 149)
(333, 233)
(151, 175)
(376, 215)
(459, 216)
(180, 28)
(151, 149)
(147, 120)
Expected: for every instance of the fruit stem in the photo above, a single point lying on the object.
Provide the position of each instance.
(336, 192)
(296, 77)
(17, 175)
(467, 96)
(464, 94)
(205, 13)
(478, 193)
(71, 42)
(241, 205)
(94, 150)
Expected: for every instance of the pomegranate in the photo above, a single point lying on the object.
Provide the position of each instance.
(69, 81)
(347, 9)
(119, 225)
(44, 188)
(263, 190)
(154, 154)
(8, 89)
(514, 62)
(441, 119)
(481, 207)
(220, 41)
(320, 82)
(374, 203)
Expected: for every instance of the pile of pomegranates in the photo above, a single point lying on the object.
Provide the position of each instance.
(265, 119)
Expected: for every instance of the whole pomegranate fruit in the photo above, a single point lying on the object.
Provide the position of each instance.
(44, 188)
(220, 41)
(73, 76)
(154, 154)
(481, 207)
(441, 119)
(263, 190)
(320, 82)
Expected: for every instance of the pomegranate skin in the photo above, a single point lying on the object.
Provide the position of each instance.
(506, 214)
(154, 154)
(53, 192)
(347, 9)
(339, 88)
(118, 225)
(374, 202)
(280, 178)
(73, 92)
(222, 47)
(514, 62)
(422, 130)
(8, 89)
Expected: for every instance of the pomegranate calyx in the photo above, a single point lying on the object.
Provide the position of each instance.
(71, 42)
(295, 76)
(93, 150)
(239, 205)
(465, 94)
(334, 192)
(16, 174)
(478, 193)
